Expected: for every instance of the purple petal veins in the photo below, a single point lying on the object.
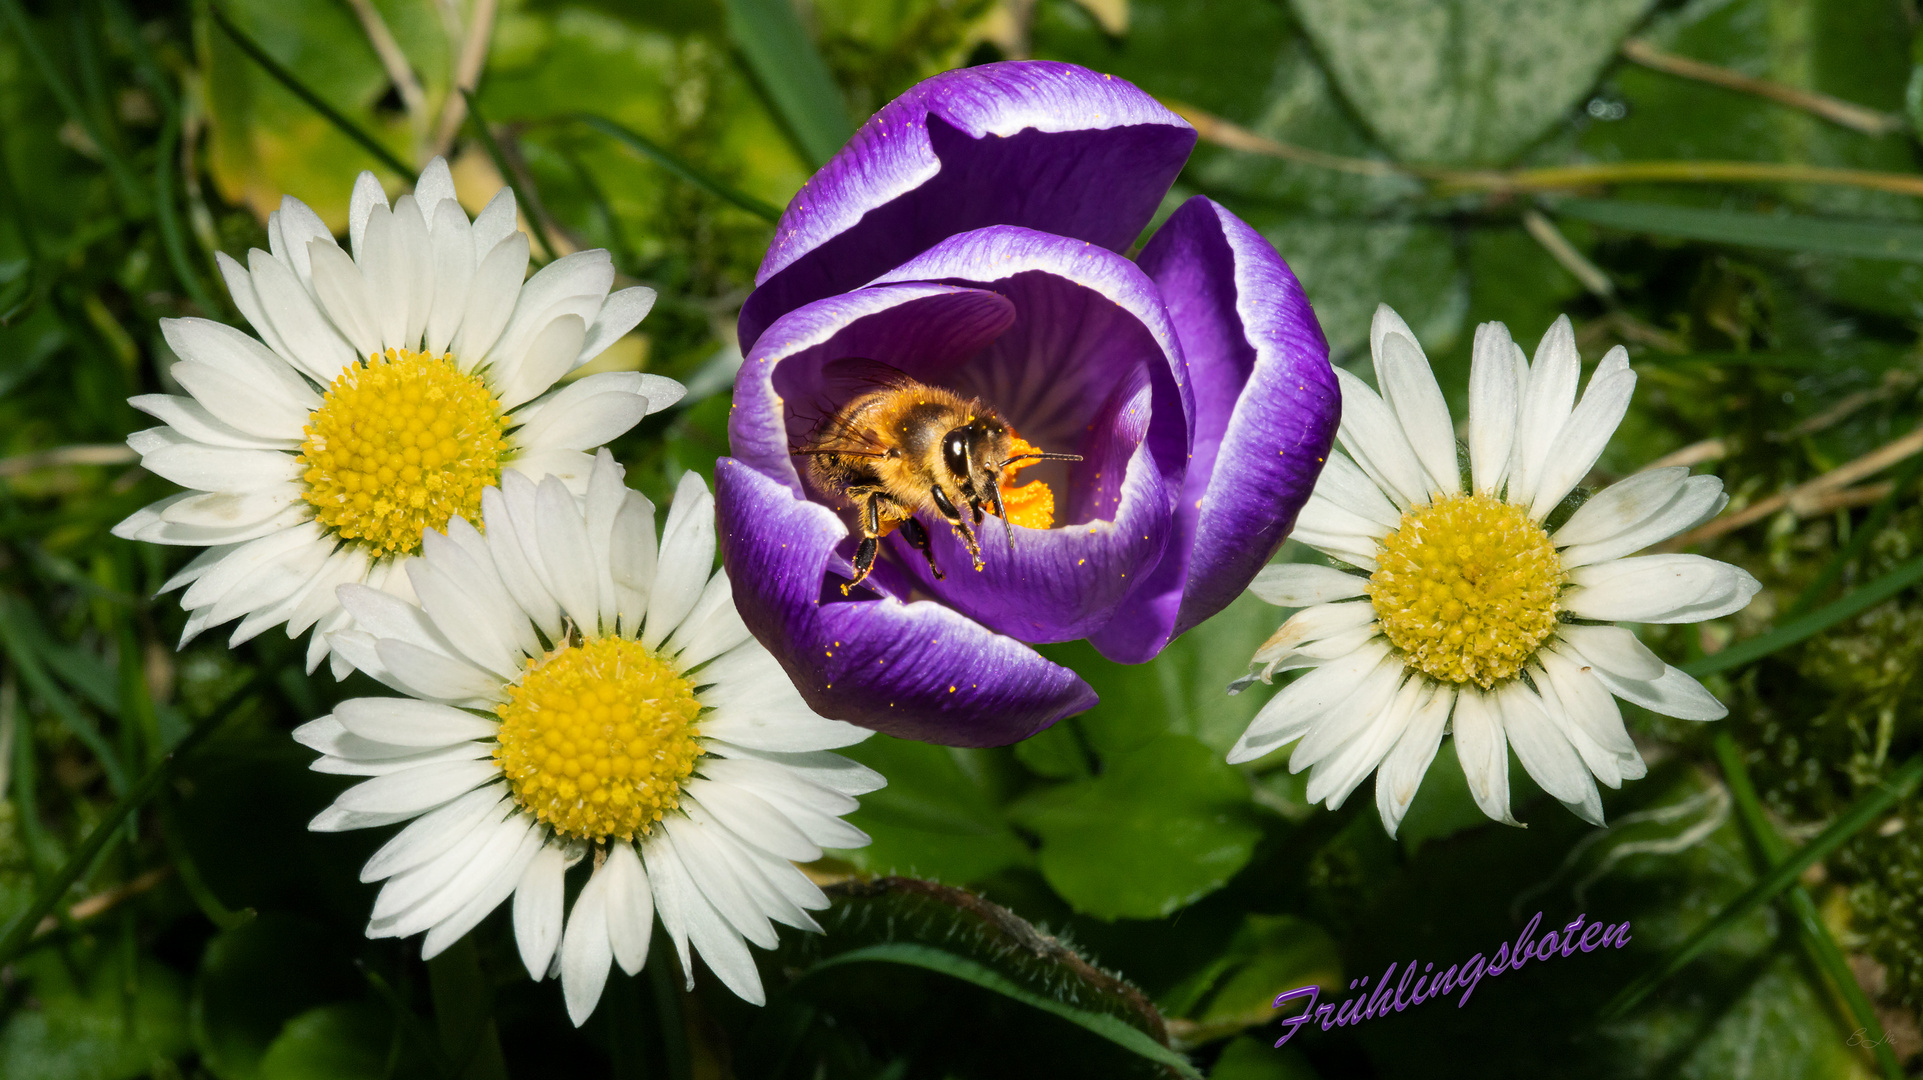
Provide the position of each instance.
(1046, 145)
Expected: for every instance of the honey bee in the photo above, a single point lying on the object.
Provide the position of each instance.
(906, 447)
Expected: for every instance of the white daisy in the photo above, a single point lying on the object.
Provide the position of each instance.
(385, 391)
(578, 693)
(1471, 602)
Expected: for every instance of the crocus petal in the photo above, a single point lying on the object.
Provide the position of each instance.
(917, 670)
(1266, 408)
(1043, 145)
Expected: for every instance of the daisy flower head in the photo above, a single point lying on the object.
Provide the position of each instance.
(1470, 598)
(578, 691)
(385, 391)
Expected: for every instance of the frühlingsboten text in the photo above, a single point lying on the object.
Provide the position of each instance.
(1415, 987)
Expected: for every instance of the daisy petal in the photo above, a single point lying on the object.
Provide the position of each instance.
(1373, 437)
(1409, 387)
(1400, 775)
(586, 954)
(1543, 408)
(1544, 752)
(412, 723)
(1615, 649)
(431, 834)
(538, 900)
(630, 908)
(1297, 585)
(1693, 501)
(1297, 706)
(1672, 694)
(1483, 752)
(1658, 589)
(1586, 432)
(1493, 400)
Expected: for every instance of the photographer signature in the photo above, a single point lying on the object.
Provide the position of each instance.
(1861, 1038)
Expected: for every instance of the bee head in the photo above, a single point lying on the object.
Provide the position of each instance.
(969, 451)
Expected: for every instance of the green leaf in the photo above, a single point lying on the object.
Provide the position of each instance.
(1467, 82)
(947, 963)
(255, 978)
(1791, 232)
(85, 1016)
(1255, 1059)
(934, 820)
(1347, 267)
(334, 1042)
(675, 164)
(1070, 1012)
(1183, 691)
(1057, 752)
(785, 61)
(1852, 49)
(1273, 954)
(266, 140)
(1163, 826)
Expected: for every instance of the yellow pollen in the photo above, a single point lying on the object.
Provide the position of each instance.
(1032, 506)
(598, 738)
(401, 442)
(1466, 588)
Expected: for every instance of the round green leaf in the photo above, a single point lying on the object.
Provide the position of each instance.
(1162, 827)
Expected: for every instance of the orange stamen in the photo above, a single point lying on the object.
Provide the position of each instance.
(1032, 505)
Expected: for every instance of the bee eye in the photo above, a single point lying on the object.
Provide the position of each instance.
(954, 452)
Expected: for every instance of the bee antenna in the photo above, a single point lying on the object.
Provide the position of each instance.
(1038, 456)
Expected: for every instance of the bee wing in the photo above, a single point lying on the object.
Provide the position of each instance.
(853, 376)
(833, 435)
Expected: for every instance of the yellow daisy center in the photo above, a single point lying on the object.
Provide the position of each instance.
(1466, 587)
(401, 442)
(597, 739)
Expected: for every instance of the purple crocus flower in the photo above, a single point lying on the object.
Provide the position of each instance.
(973, 235)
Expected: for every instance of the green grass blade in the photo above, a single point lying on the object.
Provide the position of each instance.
(18, 634)
(1859, 540)
(299, 89)
(131, 194)
(1111, 1028)
(166, 200)
(784, 60)
(1859, 816)
(1788, 232)
(1851, 604)
(1816, 935)
(677, 165)
(529, 209)
(21, 930)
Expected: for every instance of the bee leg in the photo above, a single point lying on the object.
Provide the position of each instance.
(870, 540)
(916, 534)
(959, 523)
(1001, 511)
(864, 561)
